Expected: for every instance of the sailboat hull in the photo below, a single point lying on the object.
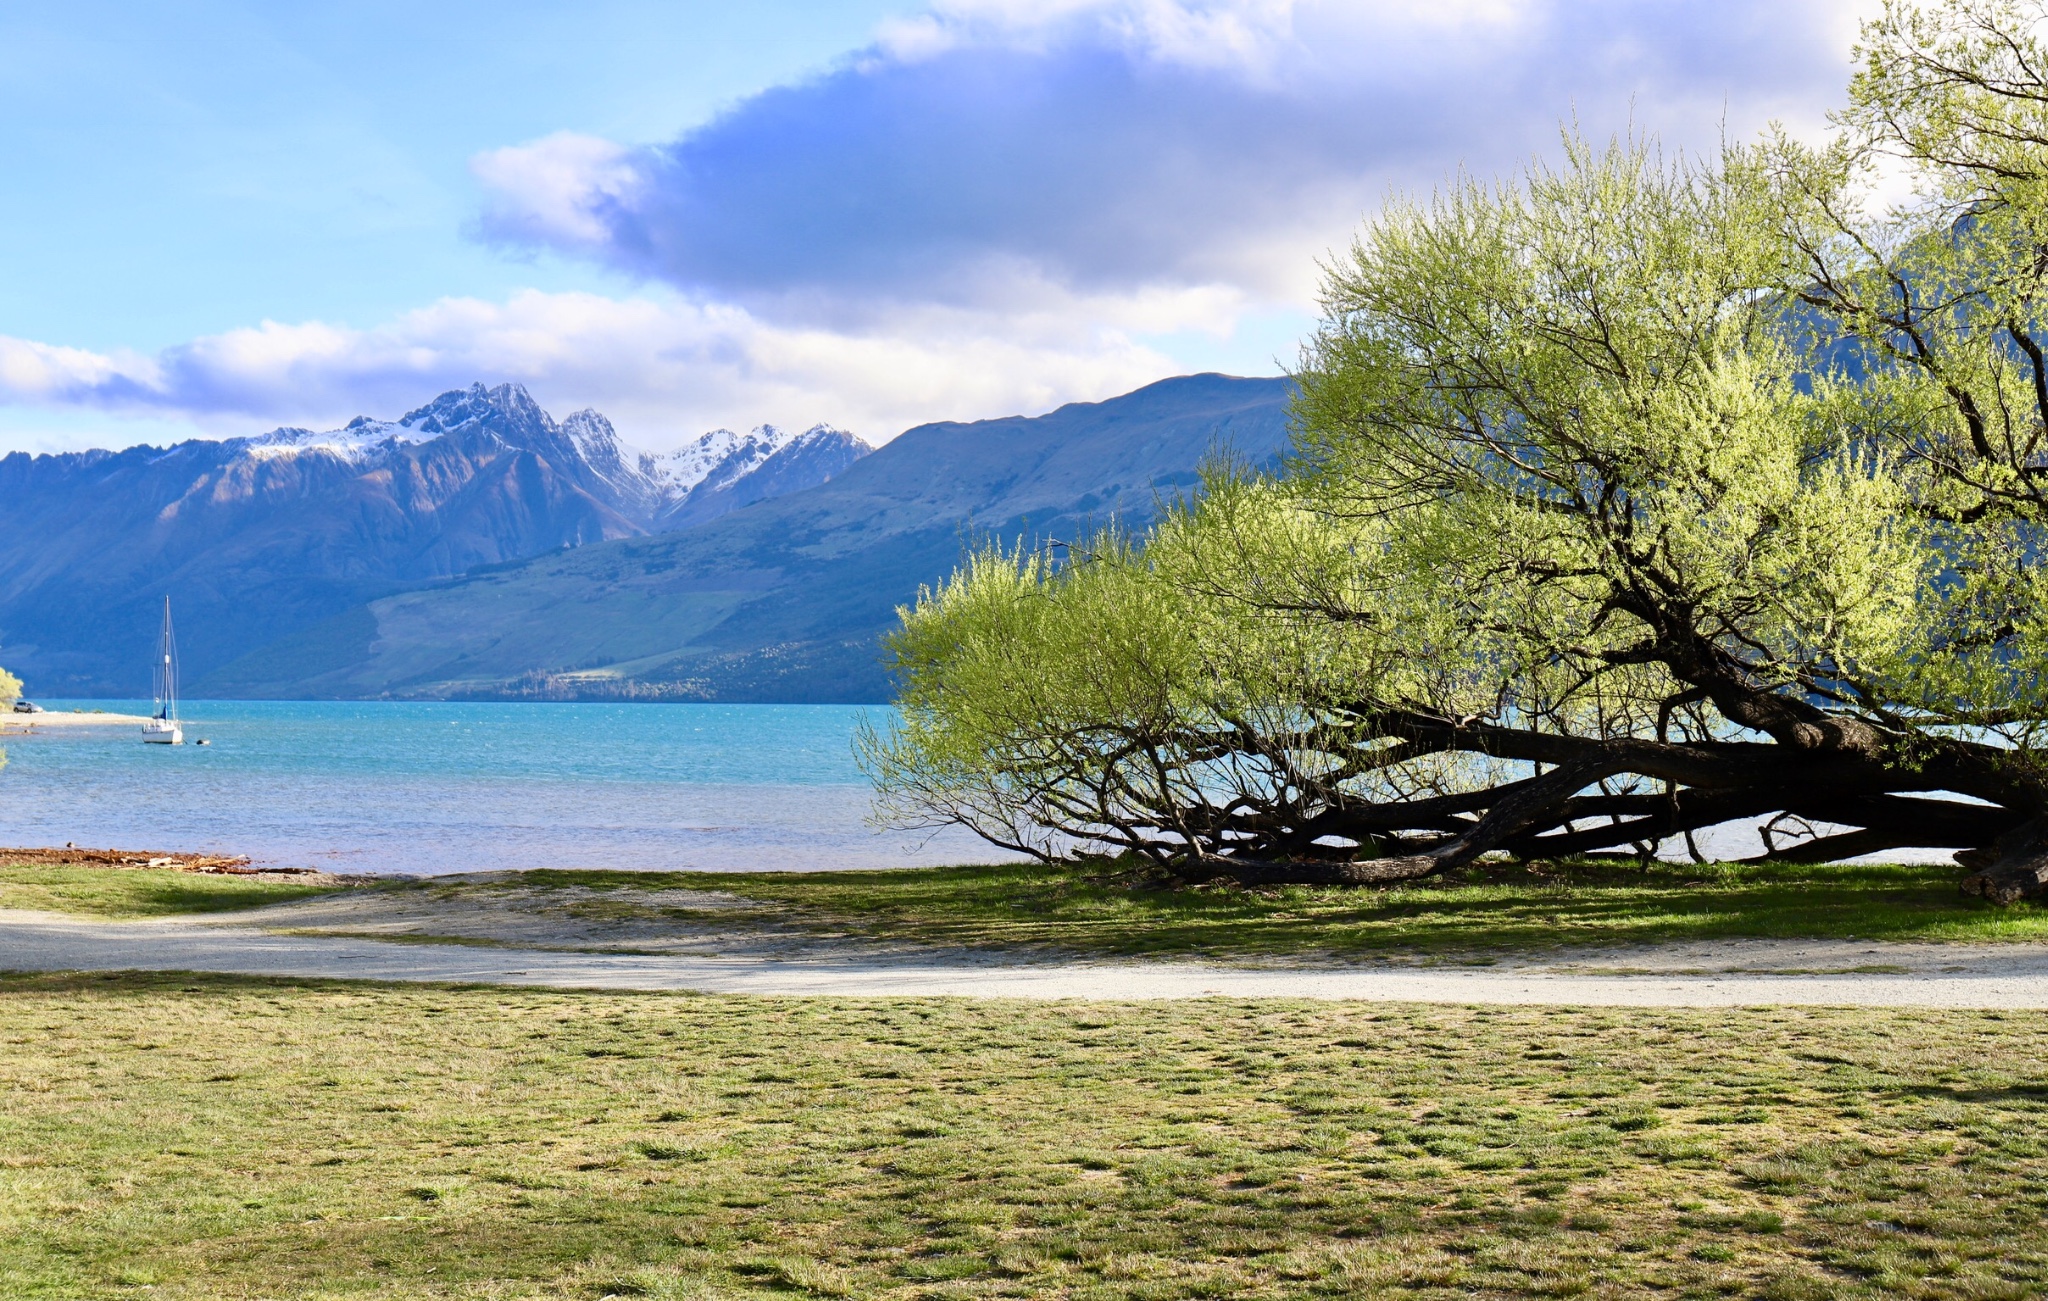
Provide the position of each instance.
(158, 731)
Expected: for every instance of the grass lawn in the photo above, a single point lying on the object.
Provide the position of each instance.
(135, 892)
(1085, 909)
(188, 1137)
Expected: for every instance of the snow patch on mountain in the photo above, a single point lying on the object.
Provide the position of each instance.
(508, 412)
(362, 439)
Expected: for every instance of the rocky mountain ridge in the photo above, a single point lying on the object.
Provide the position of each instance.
(646, 485)
(257, 537)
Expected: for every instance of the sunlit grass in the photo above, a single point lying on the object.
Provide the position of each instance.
(202, 1137)
(1092, 909)
(134, 892)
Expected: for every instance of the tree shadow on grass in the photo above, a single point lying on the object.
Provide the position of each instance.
(1102, 908)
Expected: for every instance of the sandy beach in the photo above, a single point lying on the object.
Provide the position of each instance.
(12, 724)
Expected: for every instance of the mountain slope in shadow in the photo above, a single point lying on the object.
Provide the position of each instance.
(785, 600)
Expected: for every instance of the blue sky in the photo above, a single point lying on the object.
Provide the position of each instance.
(220, 217)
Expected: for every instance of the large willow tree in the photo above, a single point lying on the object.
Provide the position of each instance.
(1631, 497)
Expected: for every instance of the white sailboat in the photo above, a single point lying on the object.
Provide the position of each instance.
(163, 727)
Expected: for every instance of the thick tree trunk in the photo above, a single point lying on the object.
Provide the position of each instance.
(1868, 782)
(2011, 868)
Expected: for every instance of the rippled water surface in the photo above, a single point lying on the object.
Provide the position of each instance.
(385, 787)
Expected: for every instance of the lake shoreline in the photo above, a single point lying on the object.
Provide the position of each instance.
(12, 724)
(171, 860)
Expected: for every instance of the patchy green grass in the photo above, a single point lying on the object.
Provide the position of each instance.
(135, 892)
(209, 1137)
(1093, 910)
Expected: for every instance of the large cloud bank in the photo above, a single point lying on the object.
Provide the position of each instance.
(987, 150)
(995, 207)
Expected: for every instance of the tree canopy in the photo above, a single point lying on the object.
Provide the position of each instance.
(1633, 495)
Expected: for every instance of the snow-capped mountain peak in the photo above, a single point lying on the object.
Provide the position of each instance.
(723, 457)
(717, 472)
(593, 435)
(719, 456)
(597, 444)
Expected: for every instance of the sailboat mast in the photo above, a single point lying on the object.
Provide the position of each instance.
(167, 670)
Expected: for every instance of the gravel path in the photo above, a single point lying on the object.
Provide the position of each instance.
(1762, 972)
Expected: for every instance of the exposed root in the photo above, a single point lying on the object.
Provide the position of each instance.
(2012, 868)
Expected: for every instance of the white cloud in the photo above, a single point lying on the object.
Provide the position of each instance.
(1243, 35)
(663, 367)
(1254, 39)
(39, 372)
(556, 189)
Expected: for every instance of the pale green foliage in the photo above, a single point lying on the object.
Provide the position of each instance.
(1006, 655)
(1577, 397)
(1955, 89)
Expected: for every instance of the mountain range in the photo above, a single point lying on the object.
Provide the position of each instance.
(477, 549)
(256, 538)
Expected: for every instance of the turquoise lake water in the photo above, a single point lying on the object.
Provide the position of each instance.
(428, 788)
